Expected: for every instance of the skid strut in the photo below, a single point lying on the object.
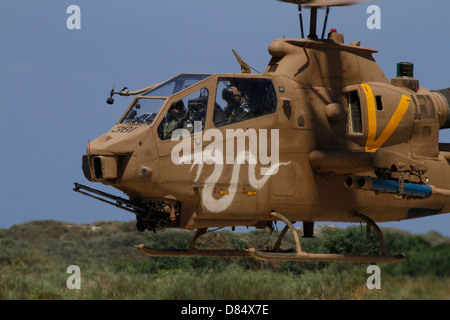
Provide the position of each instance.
(277, 254)
(300, 255)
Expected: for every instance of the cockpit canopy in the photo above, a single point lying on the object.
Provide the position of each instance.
(188, 98)
(147, 105)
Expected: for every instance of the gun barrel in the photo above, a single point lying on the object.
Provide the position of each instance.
(103, 196)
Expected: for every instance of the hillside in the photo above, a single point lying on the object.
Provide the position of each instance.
(34, 258)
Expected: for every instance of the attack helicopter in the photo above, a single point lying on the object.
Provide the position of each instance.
(321, 135)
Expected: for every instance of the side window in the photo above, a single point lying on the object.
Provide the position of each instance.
(183, 113)
(239, 99)
(354, 108)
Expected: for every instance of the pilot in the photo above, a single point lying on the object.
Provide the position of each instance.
(237, 108)
(174, 119)
(196, 112)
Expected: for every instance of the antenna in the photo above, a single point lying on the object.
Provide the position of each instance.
(245, 68)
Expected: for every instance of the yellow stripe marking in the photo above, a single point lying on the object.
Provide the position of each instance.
(373, 143)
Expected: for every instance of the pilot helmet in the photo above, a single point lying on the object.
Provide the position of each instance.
(229, 93)
(179, 104)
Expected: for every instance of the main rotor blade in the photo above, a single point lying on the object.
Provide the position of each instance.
(324, 3)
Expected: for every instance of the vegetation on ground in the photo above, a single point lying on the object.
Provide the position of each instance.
(34, 258)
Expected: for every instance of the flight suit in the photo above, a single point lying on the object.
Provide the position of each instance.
(239, 113)
(172, 125)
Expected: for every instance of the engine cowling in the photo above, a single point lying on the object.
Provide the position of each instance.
(442, 97)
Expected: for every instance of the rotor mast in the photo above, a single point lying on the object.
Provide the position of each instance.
(313, 22)
(314, 5)
(301, 19)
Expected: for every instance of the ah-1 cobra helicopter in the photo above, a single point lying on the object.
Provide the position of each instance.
(346, 145)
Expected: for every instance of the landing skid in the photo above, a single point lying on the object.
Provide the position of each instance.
(277, 254)
(192, 251)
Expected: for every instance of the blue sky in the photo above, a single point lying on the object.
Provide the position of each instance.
(54, 81)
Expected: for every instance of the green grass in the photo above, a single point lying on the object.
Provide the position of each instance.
(34, 258)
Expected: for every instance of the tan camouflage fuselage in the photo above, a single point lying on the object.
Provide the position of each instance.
(337, 116)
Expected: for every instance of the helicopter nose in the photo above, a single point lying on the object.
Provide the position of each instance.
(106, 157)
(100, 167)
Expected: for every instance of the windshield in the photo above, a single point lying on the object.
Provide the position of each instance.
(145, 108)
(143, 111)
(176, 84)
